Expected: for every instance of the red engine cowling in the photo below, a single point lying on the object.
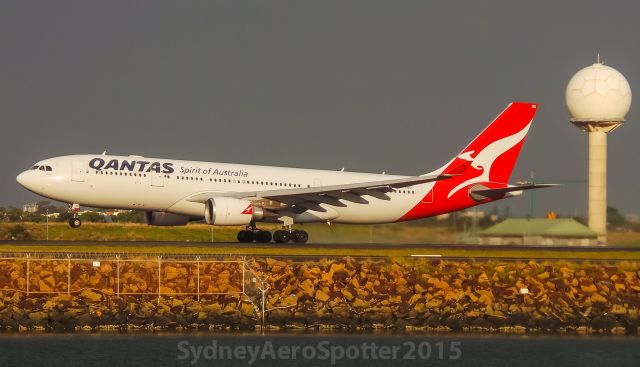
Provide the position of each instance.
(165, 219)
(224, 211)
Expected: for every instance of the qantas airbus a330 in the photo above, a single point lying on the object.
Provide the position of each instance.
(173, 192)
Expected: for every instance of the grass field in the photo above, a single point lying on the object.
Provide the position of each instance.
(318, 233)
(393, 233)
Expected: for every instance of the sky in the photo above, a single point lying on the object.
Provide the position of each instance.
(372, 86)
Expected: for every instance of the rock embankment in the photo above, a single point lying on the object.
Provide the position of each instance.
(336, 293)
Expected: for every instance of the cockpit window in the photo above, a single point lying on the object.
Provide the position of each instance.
(46, 168)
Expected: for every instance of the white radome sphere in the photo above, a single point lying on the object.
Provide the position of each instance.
(598, 93)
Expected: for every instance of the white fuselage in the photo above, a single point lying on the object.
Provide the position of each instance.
(165, 186)
(478, 174)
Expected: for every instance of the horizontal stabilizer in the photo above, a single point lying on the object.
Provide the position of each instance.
(480, 192)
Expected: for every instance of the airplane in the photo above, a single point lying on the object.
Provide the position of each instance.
(174, 192)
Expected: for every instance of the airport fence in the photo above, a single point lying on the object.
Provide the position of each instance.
(117, 275)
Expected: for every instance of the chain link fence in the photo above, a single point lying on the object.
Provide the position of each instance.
(116, 274)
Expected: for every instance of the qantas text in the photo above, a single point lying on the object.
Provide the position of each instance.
(140, 166)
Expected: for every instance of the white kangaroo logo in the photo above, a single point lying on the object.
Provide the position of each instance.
(484, 160)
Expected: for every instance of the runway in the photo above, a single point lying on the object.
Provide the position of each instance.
(457, 251)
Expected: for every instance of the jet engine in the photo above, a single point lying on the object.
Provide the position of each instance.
(224, 211)
(165, 219)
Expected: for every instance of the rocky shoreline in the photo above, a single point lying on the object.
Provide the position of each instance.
(322, 294)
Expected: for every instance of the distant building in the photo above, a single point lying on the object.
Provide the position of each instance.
(539, 231)
(30, 208)
(633, 218)
(115, 212)
(472, 214)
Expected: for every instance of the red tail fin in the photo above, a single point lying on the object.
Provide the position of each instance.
(491, 156)
(488, 160)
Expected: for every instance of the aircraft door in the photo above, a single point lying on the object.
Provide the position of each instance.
(77, 171)
(157, 179)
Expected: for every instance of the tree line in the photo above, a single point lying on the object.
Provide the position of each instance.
(13, 214)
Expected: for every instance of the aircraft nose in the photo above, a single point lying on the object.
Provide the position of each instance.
(23, 179)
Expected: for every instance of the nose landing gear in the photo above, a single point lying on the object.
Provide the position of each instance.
(75, 222)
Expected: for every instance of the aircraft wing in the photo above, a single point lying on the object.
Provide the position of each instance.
(310, 197)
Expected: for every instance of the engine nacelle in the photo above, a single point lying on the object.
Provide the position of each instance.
(165, 219)
(223, 211)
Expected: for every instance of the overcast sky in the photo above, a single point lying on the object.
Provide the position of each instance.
(395, 86)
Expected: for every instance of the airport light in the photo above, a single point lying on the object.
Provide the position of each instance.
(47, 219)
(598, 98)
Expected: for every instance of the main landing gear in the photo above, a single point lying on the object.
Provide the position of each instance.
(249, 235)
(284, 236)
(252, 234)
(75, 222)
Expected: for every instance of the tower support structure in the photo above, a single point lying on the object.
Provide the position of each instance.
(597, 205)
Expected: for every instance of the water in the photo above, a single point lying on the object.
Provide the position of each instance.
(104, 349)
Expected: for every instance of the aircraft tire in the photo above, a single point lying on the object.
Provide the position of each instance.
(299, 236)
(75, 222)
(281, 236)
(245, 236)
(263, 236)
